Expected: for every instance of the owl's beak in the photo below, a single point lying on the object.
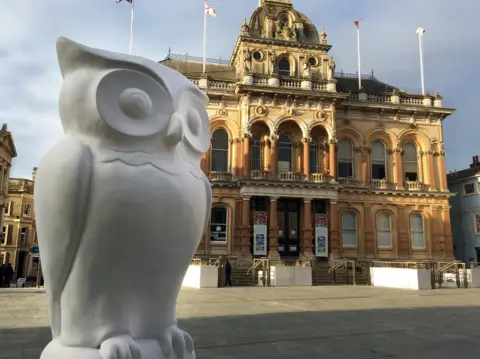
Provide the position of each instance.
(174, 132)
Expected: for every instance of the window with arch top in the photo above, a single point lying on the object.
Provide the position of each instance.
(218, 224)
(379, 160)
(417, 235)
(284, 67)
(256, 153)
(410, 161)
(284, 153)
(219, 151)
(345, 158)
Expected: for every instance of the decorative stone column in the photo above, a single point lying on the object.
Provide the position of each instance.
(266, 156)
(325, 158)
(442, 173)
(273, 229)
(404, 245)
(273, 155)
(238, 224)
(370, 248)
(431, 171)
(399, 167)
(307, 228)
(298, 157)
(246, 227)
(246, 155)
(333, 159)
(334, 230)
(447, 231)
(364, 152)
(306, 157)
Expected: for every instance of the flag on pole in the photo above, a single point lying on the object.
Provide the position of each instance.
(356, 22)
(131, 22)
(210, 10)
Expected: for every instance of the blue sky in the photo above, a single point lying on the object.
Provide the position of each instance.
(30, 79)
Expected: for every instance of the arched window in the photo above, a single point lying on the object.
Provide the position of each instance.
(219, 151)
(284, 153)
(284, 67)
(384, 230)
(410, 161)
(256, 153)
(218, 224)
(313, 152)
(417, 235)
(345, 158)
(349, 229)
(379, 161)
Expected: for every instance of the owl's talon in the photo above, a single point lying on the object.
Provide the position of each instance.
(121, 347)
(178, 340)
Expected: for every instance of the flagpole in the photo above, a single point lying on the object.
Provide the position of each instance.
(131, 26)
(205, 37)
(358, 55)
(420, 33)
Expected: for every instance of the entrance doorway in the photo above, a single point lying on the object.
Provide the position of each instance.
(288, 219)
(21, 264)
(477, 251)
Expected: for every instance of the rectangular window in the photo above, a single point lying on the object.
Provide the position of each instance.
(9, 208)
(23, 237)
(26, 210)
(349, 229)
(9, 234)
(469, 188)
(384, 233)
(3, 235)
(477, 223)
(218, 224)
(417, 234)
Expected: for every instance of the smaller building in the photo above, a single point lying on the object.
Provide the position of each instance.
(465, 211)
(19, 231)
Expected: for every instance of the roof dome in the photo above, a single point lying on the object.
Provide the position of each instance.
(278, 20)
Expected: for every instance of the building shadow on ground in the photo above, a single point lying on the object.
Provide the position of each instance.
(437, 333)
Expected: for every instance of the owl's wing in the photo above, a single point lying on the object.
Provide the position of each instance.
(208, 192)
(62, 189)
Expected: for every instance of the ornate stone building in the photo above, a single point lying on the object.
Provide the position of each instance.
(298, 145)
(19, 230)
(7, 153)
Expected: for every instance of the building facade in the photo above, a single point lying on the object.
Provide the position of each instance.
(465, 210)
(303, 163)
(7, 153)
(19, 228)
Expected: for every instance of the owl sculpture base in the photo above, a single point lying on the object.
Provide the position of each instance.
(121, 205)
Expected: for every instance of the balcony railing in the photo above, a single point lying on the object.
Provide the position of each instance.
(415, 186)
(220, 176)
(292, 176)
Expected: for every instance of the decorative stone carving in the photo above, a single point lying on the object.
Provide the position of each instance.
(261, 110)
(222, 112)
(247, 61)
(290, 111)
(121, 204)
(320, 115)
(331, 67)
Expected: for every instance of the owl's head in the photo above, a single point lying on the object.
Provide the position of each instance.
(129, 101)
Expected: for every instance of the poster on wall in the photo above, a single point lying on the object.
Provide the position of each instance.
(321, 235)
(259, 233)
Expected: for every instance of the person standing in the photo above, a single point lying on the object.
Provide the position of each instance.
(1, 275)
(8, 275)
(228, 274)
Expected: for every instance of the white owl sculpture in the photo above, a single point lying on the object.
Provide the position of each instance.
(121, 205)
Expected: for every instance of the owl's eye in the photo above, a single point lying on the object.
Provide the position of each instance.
(194, 121)
(135, 103)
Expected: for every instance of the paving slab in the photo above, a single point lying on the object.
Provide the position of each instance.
(307, 322)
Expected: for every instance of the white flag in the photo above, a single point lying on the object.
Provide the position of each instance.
(210, 10)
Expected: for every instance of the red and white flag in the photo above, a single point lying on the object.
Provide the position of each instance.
(210, 10)
(357, 23)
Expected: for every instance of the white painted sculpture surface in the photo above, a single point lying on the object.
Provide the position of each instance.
(121, 204)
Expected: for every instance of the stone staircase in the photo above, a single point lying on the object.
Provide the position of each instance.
(240, 277)
(342, 276)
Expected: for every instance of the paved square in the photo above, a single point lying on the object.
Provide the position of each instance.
(311, 322)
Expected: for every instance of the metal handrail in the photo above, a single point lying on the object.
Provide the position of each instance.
(338, 265)
(449, 265)
(256, 263)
